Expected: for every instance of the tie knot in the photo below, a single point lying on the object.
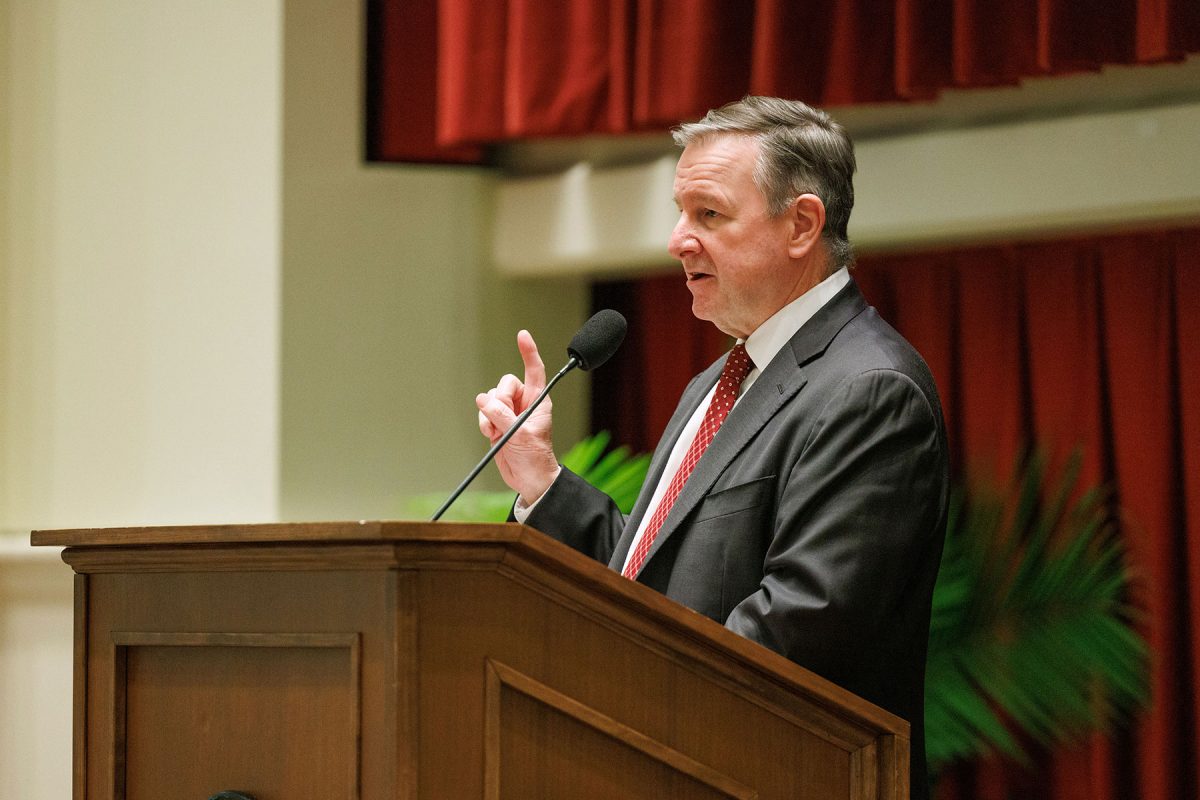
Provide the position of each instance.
(737, 365)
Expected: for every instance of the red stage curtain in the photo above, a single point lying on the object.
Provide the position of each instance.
(1091, 343)
(447, 76)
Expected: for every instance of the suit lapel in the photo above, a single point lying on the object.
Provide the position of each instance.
(782, 379)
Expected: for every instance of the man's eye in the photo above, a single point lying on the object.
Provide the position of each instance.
(709, 213)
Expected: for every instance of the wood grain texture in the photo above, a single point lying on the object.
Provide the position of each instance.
(763, 676)
(658, 692)
(413, 660)
(499, 728)
(404, 706)
(289, 532)
(79, 682)
(258, 714)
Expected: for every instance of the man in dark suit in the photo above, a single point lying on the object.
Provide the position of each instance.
(802, 504)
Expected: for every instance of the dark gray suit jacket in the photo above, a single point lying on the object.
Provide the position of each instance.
(814, 522)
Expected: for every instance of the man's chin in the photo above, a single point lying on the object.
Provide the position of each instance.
(702, 311)
(700, 308)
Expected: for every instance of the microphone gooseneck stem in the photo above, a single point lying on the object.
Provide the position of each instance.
(517, 423)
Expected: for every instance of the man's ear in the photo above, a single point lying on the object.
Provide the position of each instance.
(807, 217)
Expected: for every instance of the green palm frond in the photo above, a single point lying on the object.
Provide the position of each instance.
(1032, 637)
(617, 473)
(614, 472)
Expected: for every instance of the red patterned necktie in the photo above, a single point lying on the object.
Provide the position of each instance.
(737, 367)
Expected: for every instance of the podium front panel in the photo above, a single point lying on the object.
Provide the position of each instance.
(393, 661)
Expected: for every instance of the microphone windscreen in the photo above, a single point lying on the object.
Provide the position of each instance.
(598, 339)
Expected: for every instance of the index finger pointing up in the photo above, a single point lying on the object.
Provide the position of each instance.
(535, 370)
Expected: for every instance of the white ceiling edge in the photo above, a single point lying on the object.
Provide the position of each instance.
(1027, 177)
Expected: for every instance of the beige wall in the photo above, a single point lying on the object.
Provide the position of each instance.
(35, 674)
(212, 310)
(6, 159)
(141, 262)
(393, 318)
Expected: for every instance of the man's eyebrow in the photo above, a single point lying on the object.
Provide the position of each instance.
(700, 196)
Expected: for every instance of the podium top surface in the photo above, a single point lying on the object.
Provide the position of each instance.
(310, 532)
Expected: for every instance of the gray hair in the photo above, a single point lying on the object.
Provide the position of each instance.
(801, 151)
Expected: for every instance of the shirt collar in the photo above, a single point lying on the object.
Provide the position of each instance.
(769, 338)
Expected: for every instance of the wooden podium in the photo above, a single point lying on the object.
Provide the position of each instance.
(442, 661)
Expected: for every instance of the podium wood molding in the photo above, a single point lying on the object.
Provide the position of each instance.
(439, 660)
(501, 676)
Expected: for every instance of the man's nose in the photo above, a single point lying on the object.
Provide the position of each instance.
(683, 241)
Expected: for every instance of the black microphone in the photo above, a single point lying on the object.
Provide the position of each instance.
(597, 340)
(590, 347)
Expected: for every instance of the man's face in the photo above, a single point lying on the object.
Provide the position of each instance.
(734, 254)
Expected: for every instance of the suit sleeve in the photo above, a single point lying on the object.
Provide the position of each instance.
(857, 530)
(579, 515)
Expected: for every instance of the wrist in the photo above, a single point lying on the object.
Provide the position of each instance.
(530, 494)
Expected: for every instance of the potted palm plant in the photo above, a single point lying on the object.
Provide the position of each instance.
(1032, 636)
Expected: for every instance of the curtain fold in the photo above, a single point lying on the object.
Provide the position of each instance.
(449, 76)
(1090, 343)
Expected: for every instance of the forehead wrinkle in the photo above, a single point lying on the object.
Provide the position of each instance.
(712, 167)
(714, 172)
(704, 182)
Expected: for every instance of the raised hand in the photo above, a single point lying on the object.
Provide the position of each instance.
(527, 462)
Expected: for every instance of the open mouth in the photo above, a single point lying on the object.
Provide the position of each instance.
(692, 277)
